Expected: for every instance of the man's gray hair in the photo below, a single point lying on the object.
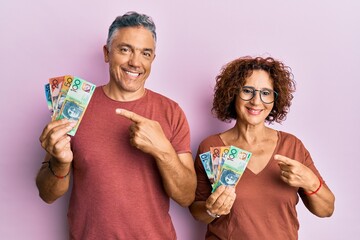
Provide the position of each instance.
(131, 19)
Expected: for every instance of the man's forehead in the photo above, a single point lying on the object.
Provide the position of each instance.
(136, 37)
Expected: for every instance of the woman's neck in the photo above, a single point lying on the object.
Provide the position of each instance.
(248, 134)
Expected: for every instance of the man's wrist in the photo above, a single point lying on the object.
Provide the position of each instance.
(59, 170)
(59, 165)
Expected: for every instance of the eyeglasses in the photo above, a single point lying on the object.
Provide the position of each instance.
(266, 95)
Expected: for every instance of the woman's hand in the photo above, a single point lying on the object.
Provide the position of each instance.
(221, 201)
(296, 174)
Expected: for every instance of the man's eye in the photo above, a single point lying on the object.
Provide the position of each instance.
(124, 50)
(147, 54)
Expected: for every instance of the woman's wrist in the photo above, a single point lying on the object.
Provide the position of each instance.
(311, 192)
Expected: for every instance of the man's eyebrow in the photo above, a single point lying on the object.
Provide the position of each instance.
(135, 48)
(148, 50)
(124, 45)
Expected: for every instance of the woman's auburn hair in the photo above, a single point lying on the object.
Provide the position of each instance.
(233, 76)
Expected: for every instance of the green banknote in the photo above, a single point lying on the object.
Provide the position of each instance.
(76, 102)
(233, 167)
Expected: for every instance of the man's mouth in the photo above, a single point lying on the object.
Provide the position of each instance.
(132, 74)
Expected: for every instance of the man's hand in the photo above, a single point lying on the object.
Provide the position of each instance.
(296, 174)
(145, 134)
(221, 201)
(56, 142)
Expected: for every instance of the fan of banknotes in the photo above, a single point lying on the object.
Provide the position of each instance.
(67, 97)
(224, 165)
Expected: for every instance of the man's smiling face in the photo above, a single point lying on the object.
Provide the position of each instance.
(130, 55)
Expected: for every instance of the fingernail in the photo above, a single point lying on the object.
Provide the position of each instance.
(118, 110)
(72, 124)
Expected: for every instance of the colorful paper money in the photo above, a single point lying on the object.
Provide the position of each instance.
(67, 80)
(55, 87)
(70, 97)
(208, 165)
(215, 157)
(48, 96)
(225, 165)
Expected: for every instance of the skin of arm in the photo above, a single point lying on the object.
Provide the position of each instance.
(57, 145)
(177, 170)
(219, 202)
(296, 174)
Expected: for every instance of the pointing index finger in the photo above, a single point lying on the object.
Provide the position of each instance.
(284, 160)
(129, 115)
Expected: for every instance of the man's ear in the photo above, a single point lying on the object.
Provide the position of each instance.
(106, 53)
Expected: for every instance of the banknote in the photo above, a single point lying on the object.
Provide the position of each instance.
(208, 165)
(223, 155)
(48, 97)
(224, 165)
(215, 157)
(233, 167)
(76, 102)
(55, 87)
(62, 94)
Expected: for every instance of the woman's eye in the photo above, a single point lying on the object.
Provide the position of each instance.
(247, 91)
(266, 92)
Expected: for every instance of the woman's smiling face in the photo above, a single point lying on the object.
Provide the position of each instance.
(254, 111)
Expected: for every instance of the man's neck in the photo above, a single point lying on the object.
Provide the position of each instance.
(122, 96)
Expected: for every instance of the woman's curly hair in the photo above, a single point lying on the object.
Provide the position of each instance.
(232, 77)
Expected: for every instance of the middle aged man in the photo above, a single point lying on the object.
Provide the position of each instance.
(131, 151)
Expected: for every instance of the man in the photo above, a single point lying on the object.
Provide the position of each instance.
(131, 151)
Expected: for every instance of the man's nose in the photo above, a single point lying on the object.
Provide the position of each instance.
(134, 59)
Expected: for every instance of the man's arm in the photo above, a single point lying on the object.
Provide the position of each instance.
(177, 170)
(53, 177)
(178, 175)
(52, 186)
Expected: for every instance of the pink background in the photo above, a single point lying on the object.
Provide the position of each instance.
(318, 39)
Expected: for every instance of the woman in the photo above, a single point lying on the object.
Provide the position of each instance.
(256, 91)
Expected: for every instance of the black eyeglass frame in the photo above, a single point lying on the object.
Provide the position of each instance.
(260, 91)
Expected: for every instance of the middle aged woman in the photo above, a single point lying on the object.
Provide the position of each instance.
(256, 91)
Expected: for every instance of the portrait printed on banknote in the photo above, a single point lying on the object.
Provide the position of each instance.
(72, 111)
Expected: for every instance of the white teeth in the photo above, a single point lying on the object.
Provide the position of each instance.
(254, 111)
(133, 74)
